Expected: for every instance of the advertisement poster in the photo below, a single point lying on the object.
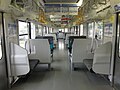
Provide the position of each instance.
(12, 29)
(108, 30)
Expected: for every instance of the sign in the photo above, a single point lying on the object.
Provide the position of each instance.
(117, 7)
(12, 28)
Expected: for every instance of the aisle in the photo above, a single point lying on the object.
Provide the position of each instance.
(61, 77)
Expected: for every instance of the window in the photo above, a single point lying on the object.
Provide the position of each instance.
(40, 29)
(23, 33)
(33, 33)
(51, 30)
(99, 30)
(90, 30)
(81, 30)
(66, 29)
(44, 31)
(61, 30)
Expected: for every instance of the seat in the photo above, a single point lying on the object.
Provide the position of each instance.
(40, 49)
(50, 39)
(67, 38)
(19, 60)
(81, 50)
(101, 61)
(54, 38)
(71, 40)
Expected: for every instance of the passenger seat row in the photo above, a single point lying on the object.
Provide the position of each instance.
(38, 50)
(98, 61)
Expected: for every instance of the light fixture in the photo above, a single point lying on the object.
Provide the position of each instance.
(79, 2)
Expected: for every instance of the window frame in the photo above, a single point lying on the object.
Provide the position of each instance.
(25, 34)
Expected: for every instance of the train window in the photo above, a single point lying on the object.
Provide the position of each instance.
(23, 33)
(44, 30)
(81, 30)
(66, 29)
(33, 33)
(22, 40)
(51, 30)
(61, 30)
(40, 31)
(99, 30)
(23, 28)
(90, 30)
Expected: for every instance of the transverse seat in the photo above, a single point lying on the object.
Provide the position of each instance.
(81, 50)
(55, 38)
(40, 49)
(101, 60)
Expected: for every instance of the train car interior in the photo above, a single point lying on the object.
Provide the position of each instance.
(59, 44)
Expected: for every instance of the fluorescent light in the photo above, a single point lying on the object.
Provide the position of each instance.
(79, 2)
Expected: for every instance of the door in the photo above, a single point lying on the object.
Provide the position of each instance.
(117, 54)
(3, 74)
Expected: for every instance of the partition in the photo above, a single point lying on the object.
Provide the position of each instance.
(19, 60)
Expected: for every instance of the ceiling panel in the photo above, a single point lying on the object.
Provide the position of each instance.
(60, 1)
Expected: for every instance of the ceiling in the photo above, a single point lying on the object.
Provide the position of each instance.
(61, 12)
(60, 1)
(55, 9)
(69, 8)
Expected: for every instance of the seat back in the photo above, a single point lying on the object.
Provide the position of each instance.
(71, 40)
(41, 50)
(19, 60)
(54, 37)
(49, 38)
(101, 60)
(80, 49)
(67, 37)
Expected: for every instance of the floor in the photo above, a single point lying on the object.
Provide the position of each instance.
(61, 77)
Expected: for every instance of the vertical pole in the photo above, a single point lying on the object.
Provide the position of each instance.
(79, 29)
(103, 32)
(94, 31)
